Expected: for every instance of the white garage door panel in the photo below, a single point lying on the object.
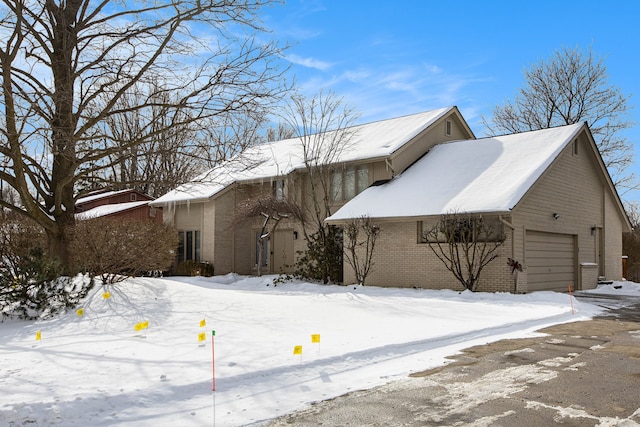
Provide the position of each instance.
(550, 260)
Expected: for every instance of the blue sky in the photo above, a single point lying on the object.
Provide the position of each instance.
(389, 59)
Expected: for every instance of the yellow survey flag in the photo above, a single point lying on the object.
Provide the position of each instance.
(297, 349)
(202, 336)
(203, 323)
(142, 325)
(38, 336)
(315, 338)
(80, 312)
(106, 295)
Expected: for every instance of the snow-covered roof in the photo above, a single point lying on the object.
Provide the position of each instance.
(266, 161)
(92, 197)
(483, 175)
(105, 210)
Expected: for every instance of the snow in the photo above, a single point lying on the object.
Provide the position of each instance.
(483, 175)
(269, 161)
(104, 210)
(100, 195)
(623, 288)
(97, 370)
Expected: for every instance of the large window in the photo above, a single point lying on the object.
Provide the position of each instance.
(189, 245)
(348, 182)
(459, 229)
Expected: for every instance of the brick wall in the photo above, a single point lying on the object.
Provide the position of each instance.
(400, 261)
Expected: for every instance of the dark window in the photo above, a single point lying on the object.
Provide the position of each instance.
(189, 245)
(278, 189)
(460, 229)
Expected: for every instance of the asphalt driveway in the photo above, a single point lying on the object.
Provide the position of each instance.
(580, 374)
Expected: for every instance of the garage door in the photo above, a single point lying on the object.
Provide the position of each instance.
(550, 261)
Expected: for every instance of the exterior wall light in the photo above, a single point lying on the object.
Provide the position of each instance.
(556, 215)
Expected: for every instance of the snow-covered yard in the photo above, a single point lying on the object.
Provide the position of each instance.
(97, 369)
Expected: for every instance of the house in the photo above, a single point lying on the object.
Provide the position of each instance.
(203, 210)
(122, 204)
(548, 191)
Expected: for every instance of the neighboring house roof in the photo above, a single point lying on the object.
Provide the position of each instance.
(265, 161)
(483, 175)
(111, 209)
(102, 195)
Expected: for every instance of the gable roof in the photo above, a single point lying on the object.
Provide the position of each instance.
(105, 210)
(483, 175)
(266, 161)
(99, 195)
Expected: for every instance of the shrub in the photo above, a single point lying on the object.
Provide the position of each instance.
(115, 249)
(322, 260)
(31, 285)
(194, 268)
(360, 235)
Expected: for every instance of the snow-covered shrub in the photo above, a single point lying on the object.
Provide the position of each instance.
(33, 287)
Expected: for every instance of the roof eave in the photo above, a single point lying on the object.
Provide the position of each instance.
(411, 218)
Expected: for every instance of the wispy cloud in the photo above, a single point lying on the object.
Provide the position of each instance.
(397, 89)
(309, 62)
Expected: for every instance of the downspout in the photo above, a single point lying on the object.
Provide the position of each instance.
(603, 235)
(513, 247)
(233, 240)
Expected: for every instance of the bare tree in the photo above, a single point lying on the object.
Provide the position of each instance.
(176, 151)
(115, 249)
(324, 126)
(465, 244)
(271, 210)
(359, 250)
(282, 131)
(571, 87)
(67, 65)
(169, 152)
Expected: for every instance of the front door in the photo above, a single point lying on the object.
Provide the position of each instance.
(282, 252)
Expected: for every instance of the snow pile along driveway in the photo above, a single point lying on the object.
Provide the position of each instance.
(97, 369)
